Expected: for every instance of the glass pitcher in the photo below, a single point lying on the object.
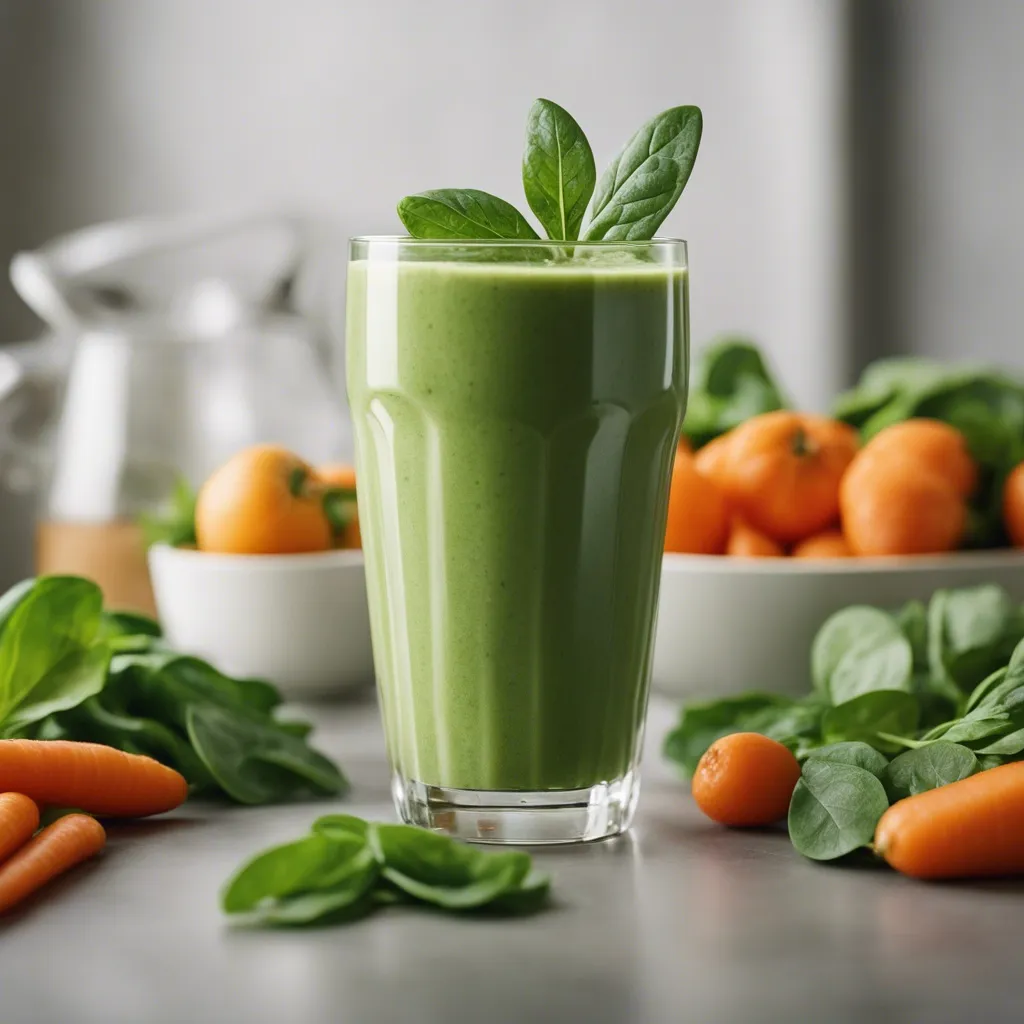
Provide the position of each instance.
(175, 343)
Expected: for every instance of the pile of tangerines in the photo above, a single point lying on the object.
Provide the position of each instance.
(787, 483)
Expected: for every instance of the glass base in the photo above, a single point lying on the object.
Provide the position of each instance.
(520, 818)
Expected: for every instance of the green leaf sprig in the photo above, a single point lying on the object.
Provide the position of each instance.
(176, 526)
(629, 203)
(347, 867)
(901, 703)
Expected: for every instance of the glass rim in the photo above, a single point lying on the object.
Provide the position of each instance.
(503, 243)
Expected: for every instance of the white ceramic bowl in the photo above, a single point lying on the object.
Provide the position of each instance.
(298, 621)
(726, 625)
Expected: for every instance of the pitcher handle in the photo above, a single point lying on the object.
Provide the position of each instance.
(16, 466)
(33, 280)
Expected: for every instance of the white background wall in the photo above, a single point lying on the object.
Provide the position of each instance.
(121, 107)
(959, 178)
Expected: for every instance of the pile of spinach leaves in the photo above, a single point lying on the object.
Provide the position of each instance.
(347, 867)
(732, 383)
(70, 670)
(902, 702)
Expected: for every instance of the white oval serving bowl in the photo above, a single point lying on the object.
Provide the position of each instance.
(726, 625)
(298, 621)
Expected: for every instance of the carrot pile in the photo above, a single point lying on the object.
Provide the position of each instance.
(86, 776)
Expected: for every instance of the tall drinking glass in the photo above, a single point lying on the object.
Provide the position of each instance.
(516, 409)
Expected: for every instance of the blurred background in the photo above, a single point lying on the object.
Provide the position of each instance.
(856, 192)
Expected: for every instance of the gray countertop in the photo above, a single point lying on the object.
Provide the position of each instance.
(679, 921)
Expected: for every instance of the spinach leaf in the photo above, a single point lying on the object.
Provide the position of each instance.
(871, 718)
(529, 896)
(78, 676)
(346, 867)
(314, 879)
(162, 684)
(435, 869)
(253, 761)
(342, 904)
(1006, 746)
(980, 726)
(94, 722)
(128, 624)
(886, 382)
(558, 169)
(641, 185)
(860, 650)
(912, 619)
(938, 696)
(341, 825)
(176, 525)
(701, 724)
(853, 752)
(462, 213)
(42, 622)
(834, 809)
(936, 765)
(279, 871)
(989, 691)
(731, 384)
(972, 632)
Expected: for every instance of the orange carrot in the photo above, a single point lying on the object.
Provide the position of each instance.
(60, 846)
(967, 829)
(19, 818)
(89, 777)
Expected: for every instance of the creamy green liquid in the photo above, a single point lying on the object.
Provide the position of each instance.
(515, 427)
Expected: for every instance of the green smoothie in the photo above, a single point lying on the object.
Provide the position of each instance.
(515, 426)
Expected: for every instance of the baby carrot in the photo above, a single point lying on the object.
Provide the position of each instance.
(60, 846)
(967, 829)
(89, 777)
(19, 818)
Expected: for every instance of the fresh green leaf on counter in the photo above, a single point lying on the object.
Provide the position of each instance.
(642, 184)
(835, 809)
(558, 169)
(346, 867)
(434, 869)
(731, 384)
(277, 872)
(462, 213)
(938, 764)
(339, 825)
